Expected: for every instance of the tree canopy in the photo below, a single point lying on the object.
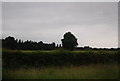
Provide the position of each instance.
(69, 41)
(17, 44)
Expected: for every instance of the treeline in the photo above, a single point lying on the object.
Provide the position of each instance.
(18, 44)
(90, 48)
(16, 59)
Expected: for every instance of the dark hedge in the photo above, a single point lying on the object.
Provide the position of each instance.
(18, 59)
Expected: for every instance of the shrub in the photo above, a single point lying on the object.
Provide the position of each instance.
(15, 59)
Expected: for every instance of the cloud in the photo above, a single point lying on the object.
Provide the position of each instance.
(94, 24)
(0, 20)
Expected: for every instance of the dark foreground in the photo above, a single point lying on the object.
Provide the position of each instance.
(60, 64)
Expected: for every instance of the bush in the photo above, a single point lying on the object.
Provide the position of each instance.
(15, 59)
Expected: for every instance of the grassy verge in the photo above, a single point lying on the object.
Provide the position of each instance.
(98, 71)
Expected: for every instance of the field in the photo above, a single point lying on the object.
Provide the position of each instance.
(81, 72)
(60, 64)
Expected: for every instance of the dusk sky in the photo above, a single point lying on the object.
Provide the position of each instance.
(94, 24)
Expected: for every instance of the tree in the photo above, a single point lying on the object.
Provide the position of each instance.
(10, 42)
(69, 42)
(40, 45)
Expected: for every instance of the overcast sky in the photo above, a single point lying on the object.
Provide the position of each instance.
(94, 24)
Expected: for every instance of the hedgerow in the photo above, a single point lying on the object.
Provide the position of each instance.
(15, 59)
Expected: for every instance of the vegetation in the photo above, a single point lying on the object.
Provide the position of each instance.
(15, 44)
(69, 42)
(60, 64)
(97, 71)
(37, 60)
(16, 59)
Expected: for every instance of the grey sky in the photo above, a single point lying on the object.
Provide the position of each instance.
(59, 0)
(94, 24)
(0, 21)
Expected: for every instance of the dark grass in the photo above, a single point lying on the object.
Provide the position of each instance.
(98, 71)
(60, 64)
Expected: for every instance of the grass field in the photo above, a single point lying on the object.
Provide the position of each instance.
(102, 64)
(98, 71)
(0, 68)
(65, 51)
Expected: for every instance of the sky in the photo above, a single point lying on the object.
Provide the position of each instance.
(60, 0)
(94, 24)
(0, 21)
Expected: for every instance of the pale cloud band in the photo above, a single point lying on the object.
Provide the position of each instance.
(94, 24)
(60, 0)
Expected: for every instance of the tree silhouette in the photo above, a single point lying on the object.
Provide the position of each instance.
(10, 42)
(18, 44)
(69, 42)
